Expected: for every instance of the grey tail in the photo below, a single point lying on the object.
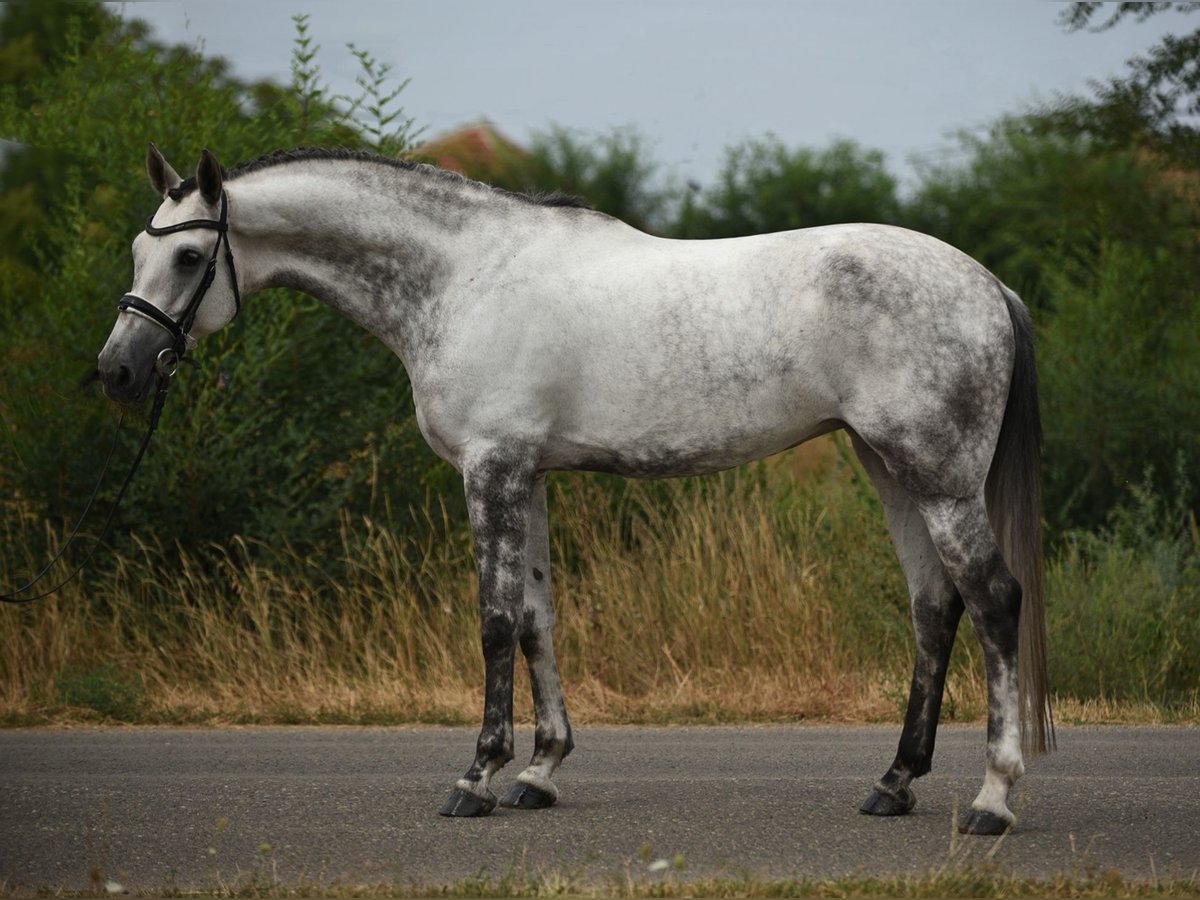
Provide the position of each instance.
(1014, 501)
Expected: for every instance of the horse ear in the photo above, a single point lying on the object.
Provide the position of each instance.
(209, 177)
(162, 176)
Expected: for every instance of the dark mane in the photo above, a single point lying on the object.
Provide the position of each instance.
(303, 154)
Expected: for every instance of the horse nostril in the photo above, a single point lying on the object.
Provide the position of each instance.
(116, 379)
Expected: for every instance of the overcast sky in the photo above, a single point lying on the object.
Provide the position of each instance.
(692, 75)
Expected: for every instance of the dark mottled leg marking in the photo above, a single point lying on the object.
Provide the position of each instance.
(552, 737)
(498, 486)
(936, 609)
(963, 535)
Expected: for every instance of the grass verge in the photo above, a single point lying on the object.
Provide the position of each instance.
(958, 881)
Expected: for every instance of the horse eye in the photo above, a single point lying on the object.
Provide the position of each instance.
(187, 257)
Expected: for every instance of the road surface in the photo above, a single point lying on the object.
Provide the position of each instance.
(152, 808)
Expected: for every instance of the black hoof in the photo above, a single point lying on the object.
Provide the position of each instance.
(888, 803)
(462, 803)
(980, 821)
(526, 796)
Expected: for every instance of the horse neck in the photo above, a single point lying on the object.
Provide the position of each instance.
(377, 243)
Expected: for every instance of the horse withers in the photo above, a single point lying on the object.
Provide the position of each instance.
(540, 335)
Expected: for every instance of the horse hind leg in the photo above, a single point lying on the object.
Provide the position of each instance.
(936, 610)
(552, 736)
(960, 530)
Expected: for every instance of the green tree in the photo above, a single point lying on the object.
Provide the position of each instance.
(612, 172)
(1120, 368)
(1155, 104)
(765, 186)
(36, 38)
(1028, 193)
(297, 414)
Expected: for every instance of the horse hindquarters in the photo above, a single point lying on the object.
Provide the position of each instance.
(940, 526)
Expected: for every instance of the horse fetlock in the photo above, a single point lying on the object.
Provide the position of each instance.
(552, 744)
(1006, 762)
(493, 753)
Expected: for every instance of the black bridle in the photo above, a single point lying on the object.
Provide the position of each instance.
(164, 367)
(180, 329)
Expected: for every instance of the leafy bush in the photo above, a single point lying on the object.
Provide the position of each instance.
(765, 186)
(1125, 623)
(1120, 364)
(103, 689)
(297, 412)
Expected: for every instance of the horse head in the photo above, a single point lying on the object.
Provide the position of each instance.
(179, 291)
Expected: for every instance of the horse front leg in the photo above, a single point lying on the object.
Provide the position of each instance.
(552, 737)
(499, 484)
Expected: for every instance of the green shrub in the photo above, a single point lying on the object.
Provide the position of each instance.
(297, 414)
(103, 689)
(1125, 603)
(1119, 355)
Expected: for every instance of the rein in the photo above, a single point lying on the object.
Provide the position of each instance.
(165, 367)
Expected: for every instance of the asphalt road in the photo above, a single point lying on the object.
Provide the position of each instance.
(154, 808)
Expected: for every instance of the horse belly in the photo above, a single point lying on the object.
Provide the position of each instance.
(668, 428)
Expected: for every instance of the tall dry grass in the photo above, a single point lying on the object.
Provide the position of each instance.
(741, 597)
(751, 596)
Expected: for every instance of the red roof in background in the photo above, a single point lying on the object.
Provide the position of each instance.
(476, 151)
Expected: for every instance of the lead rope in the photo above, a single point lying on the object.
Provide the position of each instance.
(164, 368)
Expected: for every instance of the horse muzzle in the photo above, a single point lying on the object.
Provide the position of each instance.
(122, 384)
(127, 374)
